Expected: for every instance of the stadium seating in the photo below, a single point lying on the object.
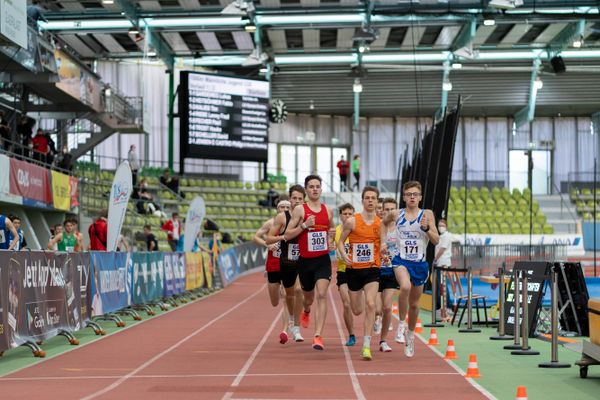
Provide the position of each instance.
(494, 211)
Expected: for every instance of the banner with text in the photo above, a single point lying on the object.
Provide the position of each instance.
(147, 277)
(109, 281)
(61, 191)
(194, 276)
(239, 259)
(31, 182)
(39, 296)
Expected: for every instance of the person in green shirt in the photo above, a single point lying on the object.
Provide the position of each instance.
(69, 239)
(356, 171)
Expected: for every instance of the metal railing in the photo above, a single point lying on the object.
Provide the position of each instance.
(25, 153)
(484, 259)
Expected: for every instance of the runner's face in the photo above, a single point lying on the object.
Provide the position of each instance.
(313, 189)
(283, 208)
(380, 210)
(347, 213)
(69, 227)
(296, 199)
(412, 197)
(59, 229)
(17, 223)
(370, 201)
(388, 208)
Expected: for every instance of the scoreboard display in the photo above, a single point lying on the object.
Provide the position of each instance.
(223, 117)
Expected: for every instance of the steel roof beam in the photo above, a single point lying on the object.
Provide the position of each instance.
(566, 38)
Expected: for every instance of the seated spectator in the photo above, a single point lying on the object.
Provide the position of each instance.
(172, 182)
(151, 242)
(146, 203)
(40, 146)
(271, 199)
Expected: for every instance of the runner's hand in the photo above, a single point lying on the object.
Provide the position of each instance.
(424, 221)
(310, 221)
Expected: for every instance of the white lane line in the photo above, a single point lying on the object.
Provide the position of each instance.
(196, 376)
(456, 367)
(355, 383)
(248, 364)
(173, 347)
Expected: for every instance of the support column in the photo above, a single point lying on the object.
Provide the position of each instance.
(171, 117)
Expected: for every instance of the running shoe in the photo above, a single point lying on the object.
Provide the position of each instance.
(409, 351)
(351, 341)
(304, 319)
(377, 326)
(283, 337)
(296, 334)
(400, 332)
(318, 343)
(384, 347)
(366, 354)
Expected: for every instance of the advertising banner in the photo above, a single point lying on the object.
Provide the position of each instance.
(179, 272)
(13, 21)
(69, 74)
(61, 191)
(74, 191)
(30, 181)
(239, 259)
(4, 174)
(574, 243)
(117, 206)
(208, 269)
(194, 277)
(109, 282)
(193, 223)
(147, 277)
(40, 295)
(82, 264)
(90, 91)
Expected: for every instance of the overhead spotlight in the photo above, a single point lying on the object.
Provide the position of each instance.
(311, 105)
(456, 65)
(366, 34)
(250, 28)
(255, 58)
(239, 7)
(447, 86)
(151, 54)
(505, 4)
(357, 87)
(134, 30)
(262, 70)
(577, 43)
(362, 48)
(489, 22)
(108, 2)
(538, 84)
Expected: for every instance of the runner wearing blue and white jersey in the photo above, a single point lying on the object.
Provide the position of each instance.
(415, 228)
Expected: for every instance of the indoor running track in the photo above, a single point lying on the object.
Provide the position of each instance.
(225, 346)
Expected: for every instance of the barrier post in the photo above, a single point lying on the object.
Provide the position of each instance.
(525, 348)
(517, 304)
(554, 363)
(434, 323)
(469, 328)
(501, 299)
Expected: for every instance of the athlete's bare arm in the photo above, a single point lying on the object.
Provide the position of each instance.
(386, 225)
(274, 234)
(428, 220)
(296, 225)
(16, 239)
(54, 241)
(79, 246)
(346, 229)
(261, 234)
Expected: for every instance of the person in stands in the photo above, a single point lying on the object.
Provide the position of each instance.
(99, 232)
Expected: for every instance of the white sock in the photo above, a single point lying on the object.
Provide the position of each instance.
(367, 341)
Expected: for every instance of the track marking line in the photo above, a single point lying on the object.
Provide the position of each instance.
(471, 381)
(355, 383)
(173, 347)
(99, 338)
(196, 376)
(250, 360)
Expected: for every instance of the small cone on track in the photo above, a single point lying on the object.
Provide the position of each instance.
(433, 339)
(521, 393)
(419, 327)
(450, 351)
(473, 369)
(395, 308)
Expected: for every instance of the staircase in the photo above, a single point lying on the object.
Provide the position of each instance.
(561, 213)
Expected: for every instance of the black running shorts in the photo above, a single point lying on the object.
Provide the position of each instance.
(340, 278)
(288, 273)
(273, 277)
(310, 270)
(358, 278)
(388, 282)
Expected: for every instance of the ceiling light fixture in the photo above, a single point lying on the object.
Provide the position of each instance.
(357, 86)
(538, 84)
(489, 22)
(456, 65)
(447, 86)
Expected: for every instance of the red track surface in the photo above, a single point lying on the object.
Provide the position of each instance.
(226, 347)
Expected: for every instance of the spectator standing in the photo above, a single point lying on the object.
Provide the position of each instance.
(151, 242)
(356, 171)
(35, 14)
(40, 146)
(50, 155)
(99, 232)
(443, 259)
(65, 160)
(343, 167)
(173, 229)
(9, 237)
(4, 132)
(134, 164)
(25, 131)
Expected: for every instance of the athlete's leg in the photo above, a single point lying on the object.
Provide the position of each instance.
(298, 302)
(371, 292)
(274, 293)
(413, 303)
(357, 301)
(348, 318)
(387, 299)
(403, 278)
(321, 289)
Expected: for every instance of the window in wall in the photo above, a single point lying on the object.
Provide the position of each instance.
(337, 153)
(288, 163)
(324, 167)
(272, 163)
(304, 163)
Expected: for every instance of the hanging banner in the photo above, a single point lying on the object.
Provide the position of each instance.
(193, 223)
(208, 269)
(69, 74)
(61, 191)
(109, 281)
(74, 184)
(194, 277)
(117, 206)
(13, 21)
(4, 174)
(40, 296)
(30, 181)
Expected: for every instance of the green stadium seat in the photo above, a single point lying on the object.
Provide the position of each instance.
(548, 229)
(586, 192)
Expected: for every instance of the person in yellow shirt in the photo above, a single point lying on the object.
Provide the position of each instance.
(345, 211)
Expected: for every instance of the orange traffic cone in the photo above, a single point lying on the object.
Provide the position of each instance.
(419, 327)
(433, 339)
(473, 369)
(521, 393)
(450, 351)
(395, 309)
